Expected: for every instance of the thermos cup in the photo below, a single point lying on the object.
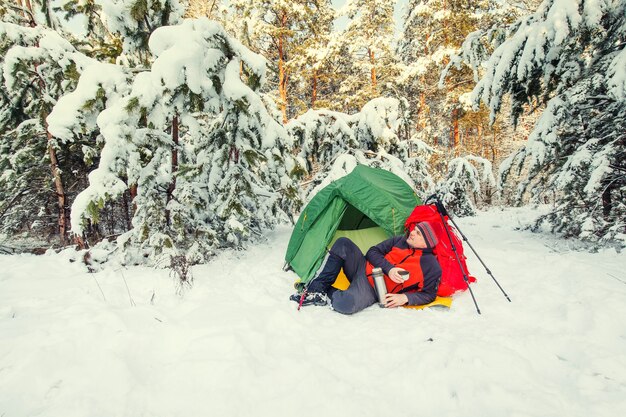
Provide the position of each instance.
(404, 275)
(379, 284)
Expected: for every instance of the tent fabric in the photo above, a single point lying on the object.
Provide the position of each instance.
(364, 198)
(452, 275)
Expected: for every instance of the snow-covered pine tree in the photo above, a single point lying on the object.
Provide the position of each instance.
(424, 49)
(465, 184)
(38, 66)
(277, 30)
(115, 32)
(345, 162)
(418, 168)
(367, 39)
(74, 120)
(251, 165)
(41, 67)
(321, 135)
(494, 29)
(571, 55)
(310, 66)
(206, 157)
(336, 64)
(432, 32)
(378, 124)
(333, 142)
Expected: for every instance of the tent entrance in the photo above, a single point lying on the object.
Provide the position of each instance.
(359, 228)
(353, 219)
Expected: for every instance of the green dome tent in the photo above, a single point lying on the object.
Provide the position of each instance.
(368, 205)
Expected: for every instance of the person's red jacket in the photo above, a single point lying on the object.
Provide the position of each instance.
(424, 270)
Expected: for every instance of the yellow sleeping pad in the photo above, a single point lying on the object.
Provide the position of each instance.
(342, 283)
(439, 302)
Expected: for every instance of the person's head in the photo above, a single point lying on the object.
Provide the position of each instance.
(421, 236)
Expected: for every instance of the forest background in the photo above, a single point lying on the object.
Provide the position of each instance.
(162, 131)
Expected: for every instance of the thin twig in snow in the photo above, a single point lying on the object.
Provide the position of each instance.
(130, 297)
(613, 276)
(99, 287)
(553, 249)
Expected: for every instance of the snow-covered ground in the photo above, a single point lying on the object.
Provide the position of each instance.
(235, 346)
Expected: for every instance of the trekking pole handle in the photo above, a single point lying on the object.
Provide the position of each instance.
(440, 207)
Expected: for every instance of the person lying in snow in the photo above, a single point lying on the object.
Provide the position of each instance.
(412, 252)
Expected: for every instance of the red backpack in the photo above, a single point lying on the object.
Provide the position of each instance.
(451, 276)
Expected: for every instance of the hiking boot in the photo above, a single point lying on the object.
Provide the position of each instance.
(311, 298)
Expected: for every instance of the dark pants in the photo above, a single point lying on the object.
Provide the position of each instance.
(360, 294)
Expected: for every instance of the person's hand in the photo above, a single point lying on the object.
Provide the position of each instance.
(395, 300)
(395, 276)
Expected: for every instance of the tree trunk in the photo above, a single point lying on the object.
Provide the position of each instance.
(373, 70)
(282, 76)
(172, 186)
(607, 202)
(58, 185)
(27, 11)
(481, 140)
(445, 25)
(132, 190)
(494, 147)
(455, 130)
(126, 207)
(211, 9)
(314, 92)
(422, 110)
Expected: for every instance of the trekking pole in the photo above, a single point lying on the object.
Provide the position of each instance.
(441, 210)
(440, 206)
(481, 261)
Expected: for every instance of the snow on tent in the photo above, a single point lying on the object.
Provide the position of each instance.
(367, 206)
